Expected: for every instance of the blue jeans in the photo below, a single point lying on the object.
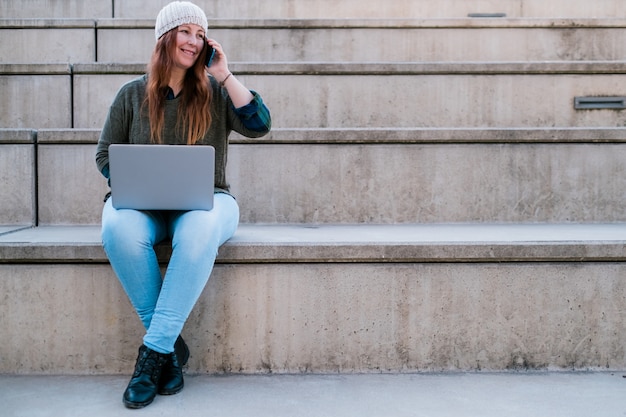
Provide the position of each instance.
(164, 303)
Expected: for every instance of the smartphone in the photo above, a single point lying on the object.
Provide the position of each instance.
(210, 53)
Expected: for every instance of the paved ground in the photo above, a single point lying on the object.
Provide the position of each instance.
(594, 394)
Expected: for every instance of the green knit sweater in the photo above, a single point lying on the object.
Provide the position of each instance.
(127, 122)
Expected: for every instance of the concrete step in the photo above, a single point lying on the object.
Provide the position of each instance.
(397, 95)
(354, 298)
(354, 176)
(402, 40)
(303, 9)
(398, 9)
(482, 394)
(325, 40)
(47, 41)
(18, 179)
(40, 95)
(56, 9)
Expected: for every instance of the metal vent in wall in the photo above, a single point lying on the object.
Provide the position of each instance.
(598, 103)
(486, 15)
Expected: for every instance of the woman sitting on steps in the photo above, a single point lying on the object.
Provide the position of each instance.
(180, 101)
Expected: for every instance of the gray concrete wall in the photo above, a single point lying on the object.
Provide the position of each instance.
(388, 41)
(93, 95)
(335, 40)
(379, 183)
(394, 9)
(429, 183)
(67, 41)
(393, 96)
(36, 97)
(17, 184)
(134, 9)
(70, 188)
(79, 9)
(328, 318)
(416, 98)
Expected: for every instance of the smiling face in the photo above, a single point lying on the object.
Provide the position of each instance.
(189, 44)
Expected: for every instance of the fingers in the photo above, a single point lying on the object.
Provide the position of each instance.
(220, 63)
(215, 45)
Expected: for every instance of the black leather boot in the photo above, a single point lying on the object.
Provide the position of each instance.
(142, 387)
(171, 381)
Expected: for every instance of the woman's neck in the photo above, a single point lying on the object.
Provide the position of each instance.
(177, 81)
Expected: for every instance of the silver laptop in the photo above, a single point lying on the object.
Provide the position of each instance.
(162, 177)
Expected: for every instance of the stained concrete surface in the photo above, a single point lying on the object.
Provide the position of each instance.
(527, 394)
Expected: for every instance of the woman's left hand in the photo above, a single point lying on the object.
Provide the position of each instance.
(219, 65)
(239, 93)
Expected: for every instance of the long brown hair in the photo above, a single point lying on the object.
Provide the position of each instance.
(194, 116)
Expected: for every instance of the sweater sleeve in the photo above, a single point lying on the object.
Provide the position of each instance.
(255, 115)
(102, 150)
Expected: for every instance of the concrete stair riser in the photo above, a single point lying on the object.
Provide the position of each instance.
(346, 95)
(388, 44)
(48, 45)
(74, 41)
(378, 183)
(429, 183)
(319, 9)
(17, 184)
(36, 101)
(412, 100)
(74, 9)
(286, 318)
(395, 9)
(69, 182)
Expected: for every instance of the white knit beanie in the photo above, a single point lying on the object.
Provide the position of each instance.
(179, 13)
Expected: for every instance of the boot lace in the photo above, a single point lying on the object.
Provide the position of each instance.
(150, 363)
